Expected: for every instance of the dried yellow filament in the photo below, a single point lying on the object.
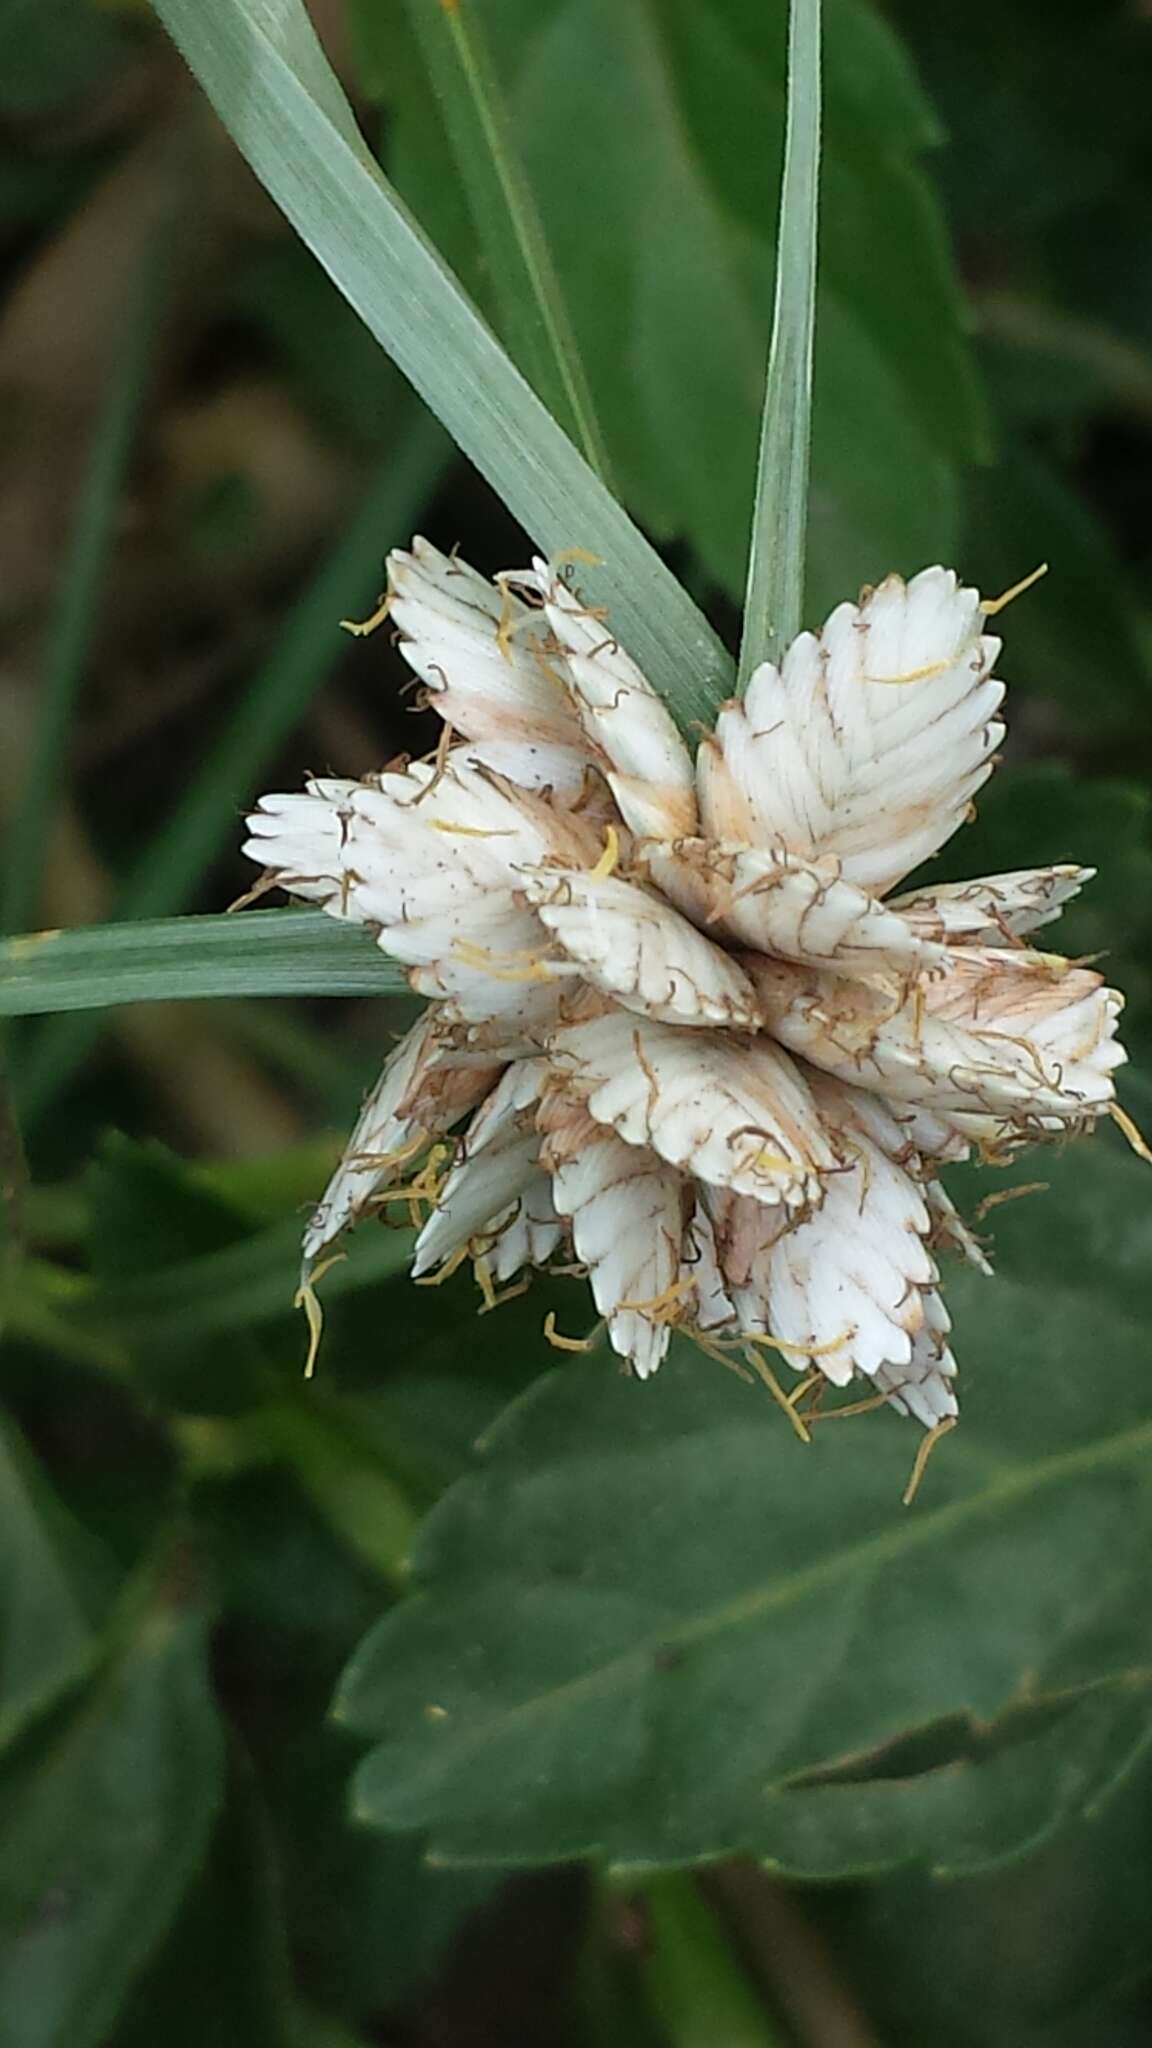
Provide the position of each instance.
(849, 1408)
(1135, 1137)
(782, 1344)
(267, 881)
(560, 1343)
(930, 1442)
(607, 862)
(307, 1298)
(762, 1368)
(482, 1273)
(470, 831)
(1002, 1195)
(574, 554)
(992, 605)
(506, 622)
(362, 627)
(493, 963)
(451, 1265)
(508, 1294)
(914, 675)
(663, 1307)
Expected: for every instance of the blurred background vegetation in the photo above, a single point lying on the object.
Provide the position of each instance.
(203, 460)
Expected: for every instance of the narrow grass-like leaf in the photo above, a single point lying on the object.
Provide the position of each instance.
(169, 868)
(269, 82)
(237, 1288)
(532, 313)
(79, 593)
(774, 600)
(280, 693)
(261, 953)
(698, 1986)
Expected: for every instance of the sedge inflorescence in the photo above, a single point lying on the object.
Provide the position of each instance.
(680, 1032)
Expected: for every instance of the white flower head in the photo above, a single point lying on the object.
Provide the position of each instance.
(681, 1033)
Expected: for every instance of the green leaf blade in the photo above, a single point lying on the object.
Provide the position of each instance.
(324, 179)
(774, 598)
(533, 315)
(261, 953)
(102, 1829)
(631, 1595)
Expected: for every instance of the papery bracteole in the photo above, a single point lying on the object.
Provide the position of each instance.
(678, 1039)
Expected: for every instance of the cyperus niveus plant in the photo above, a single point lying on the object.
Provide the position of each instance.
(680, 1030)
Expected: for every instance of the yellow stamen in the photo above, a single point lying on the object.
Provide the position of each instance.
(577, 555)
(665, 1306)
(498, 965)
(267, 881)
(383, 1162)
(762, 1368)
(468, 831)
(992, 605)
(1002, 1195)
(929, 1444)
(841, 1414)
(1135, 1137)
(506, 622)
(307, 1298)
(606, 864)
(782, 1345)
(508, 1294)
(712, 1349)
(362, 627)
(451, 1265)
(812, 1379)
(482, 1274)
(560, 1343)
(914, 675)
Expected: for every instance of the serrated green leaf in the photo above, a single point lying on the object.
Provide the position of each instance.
(1012, 1958)
(654, 1627)
(268, 79)
(102, 1825)
(263, 953)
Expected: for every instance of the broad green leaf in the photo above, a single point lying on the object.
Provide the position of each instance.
(271, 85)
(46, 1633)
(653, 1626)
(1001, 1960)
(659, 197)
(774, 595)
(234, 1916)
(261, 953)
(102, 1824)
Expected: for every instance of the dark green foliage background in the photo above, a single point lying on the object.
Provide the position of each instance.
(565, 1618)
